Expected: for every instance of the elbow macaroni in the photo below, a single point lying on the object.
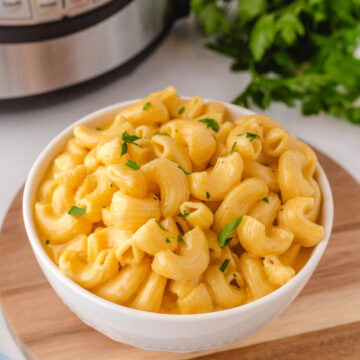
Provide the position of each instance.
(141, 211)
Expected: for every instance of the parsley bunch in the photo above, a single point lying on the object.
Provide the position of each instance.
(296, 51)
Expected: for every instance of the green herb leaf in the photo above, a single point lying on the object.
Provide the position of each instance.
(265, 199)
(210, 123)
(167, 240)
(208, 196)
(185, 214)
(111, 185)
(228, 229)
(130, 139)
(185, 172)
(98, 129)
(262, 36)
(47, 242)
(224, 265)
(252, 136)
(250, 9)
(132, 164)
(233, 147)
(147, 106)
(161, 133)
(76, 211)
(212, 18)
(124, 148)
(290, 27)
(181, 110)
(296, 51)
(289, 54)
(281, 209)
(160, 226)
(234, 275)
(181, 240)
(227, 241)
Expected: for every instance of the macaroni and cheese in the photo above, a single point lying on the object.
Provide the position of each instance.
(174, 207)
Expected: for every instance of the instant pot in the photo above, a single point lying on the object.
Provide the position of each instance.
(52, 44)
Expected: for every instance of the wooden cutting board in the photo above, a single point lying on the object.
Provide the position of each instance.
(322, 323)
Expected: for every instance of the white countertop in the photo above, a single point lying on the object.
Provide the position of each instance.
(180, 61)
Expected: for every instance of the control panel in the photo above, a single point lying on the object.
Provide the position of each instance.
(33, 12)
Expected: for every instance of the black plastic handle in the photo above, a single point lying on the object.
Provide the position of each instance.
(181, 8)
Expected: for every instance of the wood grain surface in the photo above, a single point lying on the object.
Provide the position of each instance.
(322, 323)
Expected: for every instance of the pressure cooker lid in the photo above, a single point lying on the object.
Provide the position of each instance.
(69, 23)
(33, 12)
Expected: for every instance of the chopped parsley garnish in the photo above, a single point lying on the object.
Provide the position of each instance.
(224, 265)
(266, 200)
(185, 214)
(210, 123)
(147, 106)
(234, 275)
(104, 207)
(47, 242)
(111, 185)
(181, 110)
(160, 226)
(223, 234)
(132, 164)
(98, 129)
(208, 196)
(281, 209)
(227, 241)
(124, 148)
(167, 240)
(76, 211)
(181, 240)
(214, 137)
(185, 172)
(128, 139)
(161, 133)
(252, 136)
(233, 147)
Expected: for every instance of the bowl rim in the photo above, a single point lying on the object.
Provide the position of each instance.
(44, 259)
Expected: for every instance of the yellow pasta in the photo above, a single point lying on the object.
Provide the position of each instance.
(253, 238)
(307, 233)
(198, 139)
(191, 262)
(239, 201)
(291, 178)
(197, 214)
(148, 111)
(149, 296)
(197, 301)
(129, 212)
(252, 268)
(165, 173)
(219, 180)
(89, 275)
(224, 294)
(277, 273)
(172, 206)
(168, 148)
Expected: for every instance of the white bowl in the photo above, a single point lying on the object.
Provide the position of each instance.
(175, 333)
